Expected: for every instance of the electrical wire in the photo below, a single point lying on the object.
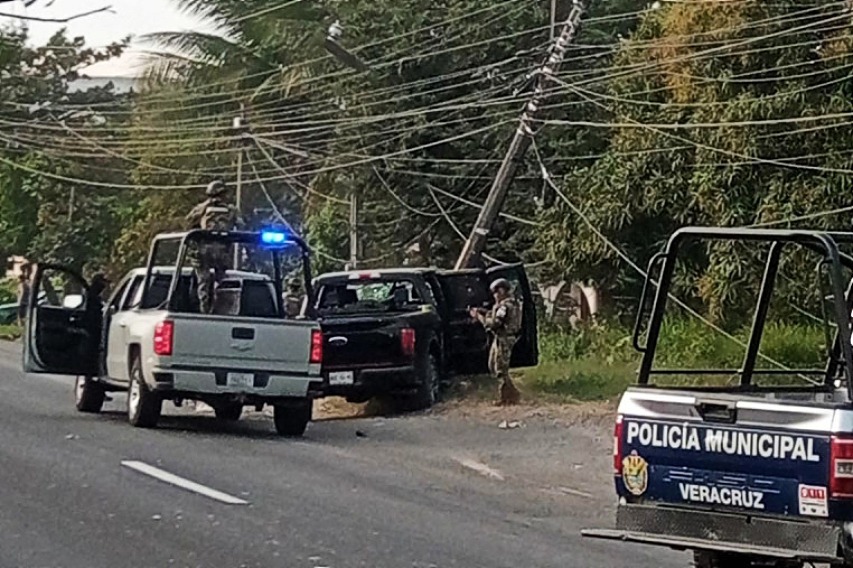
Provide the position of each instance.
(546, 176)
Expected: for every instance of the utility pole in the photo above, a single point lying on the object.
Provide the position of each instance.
(239, 125)
(71, 206)
(353, 231)
(521, 141)
(553, 19)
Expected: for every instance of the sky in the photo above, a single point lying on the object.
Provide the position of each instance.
(129, 17)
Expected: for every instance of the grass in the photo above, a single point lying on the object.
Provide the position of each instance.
(598, 363)
(10, 332)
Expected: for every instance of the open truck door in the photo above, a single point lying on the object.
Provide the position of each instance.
(62, 333)
(526, 350)
(467, 341)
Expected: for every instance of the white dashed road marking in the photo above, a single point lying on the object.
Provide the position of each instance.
(177, 481)
(480, 468)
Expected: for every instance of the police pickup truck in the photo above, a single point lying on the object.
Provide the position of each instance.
(152, 341)
(758, 472)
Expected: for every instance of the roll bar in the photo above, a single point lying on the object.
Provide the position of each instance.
(227, 237)
(823, 243)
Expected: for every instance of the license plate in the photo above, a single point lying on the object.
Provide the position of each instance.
(240, 380)
(341, 378)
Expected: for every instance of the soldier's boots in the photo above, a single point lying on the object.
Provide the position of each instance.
(509, 394)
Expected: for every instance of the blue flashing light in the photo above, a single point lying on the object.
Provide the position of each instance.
(274, 238)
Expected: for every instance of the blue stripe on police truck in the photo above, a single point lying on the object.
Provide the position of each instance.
(761, 470)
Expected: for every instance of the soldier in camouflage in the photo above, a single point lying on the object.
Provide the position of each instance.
(293, 297)
(212, 214)
(503, 321)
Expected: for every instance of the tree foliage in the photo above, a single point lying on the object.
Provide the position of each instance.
(44, 213)
(663, 116)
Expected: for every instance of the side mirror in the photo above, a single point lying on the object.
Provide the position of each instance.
(72, 301)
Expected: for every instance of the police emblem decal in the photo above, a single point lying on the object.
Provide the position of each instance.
(635, 473)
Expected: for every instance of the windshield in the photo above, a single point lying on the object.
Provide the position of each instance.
(385, 295)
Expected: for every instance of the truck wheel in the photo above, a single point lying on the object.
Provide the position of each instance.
(291, 420)
(228, 412)
(429, 389)
(89, 396)
(143, 406)
(710, 559)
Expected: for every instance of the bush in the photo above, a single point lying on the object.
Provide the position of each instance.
(8, 291)
(596, 363)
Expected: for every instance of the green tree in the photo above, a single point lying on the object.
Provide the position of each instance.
(41, 153)
(747, 67)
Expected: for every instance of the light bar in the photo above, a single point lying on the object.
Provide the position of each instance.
(274, 238)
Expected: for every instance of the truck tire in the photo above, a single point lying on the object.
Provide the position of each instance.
(143, 406)
(429, 387)
(710, 559)
(89, 395)
(229, 411)
(291, 420)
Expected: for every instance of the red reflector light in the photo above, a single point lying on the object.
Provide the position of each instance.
(617, 447)
(407, 341)
(841, 467)
(164, 336)
(316, 347)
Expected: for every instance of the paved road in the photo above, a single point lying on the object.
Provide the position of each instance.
(410, 492)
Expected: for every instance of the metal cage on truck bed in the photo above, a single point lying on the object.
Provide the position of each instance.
(839, 363)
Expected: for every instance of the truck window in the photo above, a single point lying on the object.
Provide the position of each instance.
(258, 300)
(466, 291)
(369, 296)
(131, 299)
(248, 298)
(158, 292)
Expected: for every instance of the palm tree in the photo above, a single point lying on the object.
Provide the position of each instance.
(256, 47)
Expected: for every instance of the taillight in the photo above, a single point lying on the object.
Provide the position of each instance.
(316, 347)
(841, 467)
(407, 341)
(164, 336)
(617, 447)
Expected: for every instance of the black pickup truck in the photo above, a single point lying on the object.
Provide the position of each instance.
(402, 333)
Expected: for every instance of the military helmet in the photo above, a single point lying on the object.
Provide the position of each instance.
(294, 284)
(215, 188)
(500, 283)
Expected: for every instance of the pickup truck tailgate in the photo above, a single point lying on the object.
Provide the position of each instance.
(361, 342)
(724, 453)
(236, 343)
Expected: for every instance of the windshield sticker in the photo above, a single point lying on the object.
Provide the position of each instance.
(635, 474)
(721, 441)
(722, 496)
(813, 501)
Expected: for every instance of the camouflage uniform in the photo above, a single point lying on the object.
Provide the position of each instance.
(293, 298)
(212, 214)
(504, 322)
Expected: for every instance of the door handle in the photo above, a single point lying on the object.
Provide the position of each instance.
(122, 324)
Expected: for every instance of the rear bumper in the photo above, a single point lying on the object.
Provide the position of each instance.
(266, 385)
(690, 529)
(371, 382)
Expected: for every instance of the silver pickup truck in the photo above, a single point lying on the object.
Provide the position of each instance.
(151, 341)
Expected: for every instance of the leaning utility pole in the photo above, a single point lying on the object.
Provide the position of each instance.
(239, 126)
(521, 141)
(353, 231)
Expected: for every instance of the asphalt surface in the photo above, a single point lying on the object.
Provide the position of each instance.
(421, 491)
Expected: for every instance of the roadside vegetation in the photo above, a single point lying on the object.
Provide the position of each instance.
(597, 363)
